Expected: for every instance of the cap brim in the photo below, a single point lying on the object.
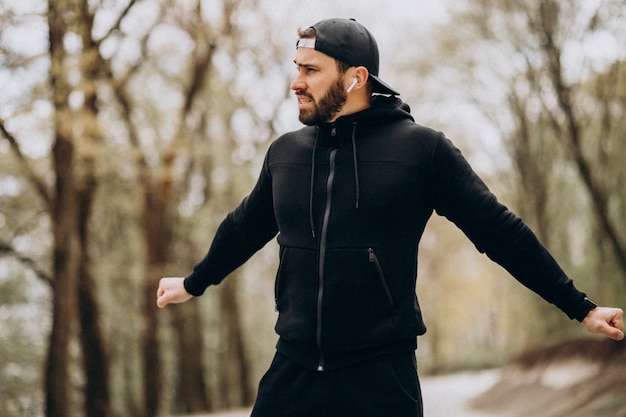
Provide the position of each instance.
(381, 87)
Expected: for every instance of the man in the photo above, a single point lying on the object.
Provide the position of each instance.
(349, 196)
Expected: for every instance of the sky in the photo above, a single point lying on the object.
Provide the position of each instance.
(386, 20)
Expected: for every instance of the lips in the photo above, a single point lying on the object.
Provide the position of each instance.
(304, 98)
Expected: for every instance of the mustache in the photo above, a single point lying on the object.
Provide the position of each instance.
(302, 93)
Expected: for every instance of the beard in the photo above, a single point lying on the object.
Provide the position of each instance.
(327, 107)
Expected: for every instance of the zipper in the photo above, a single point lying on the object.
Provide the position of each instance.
(381, 276)
(277, 282)
(322, 258)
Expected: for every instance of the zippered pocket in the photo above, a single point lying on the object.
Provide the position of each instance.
(373, 259)
(358, 307)
(277, 280)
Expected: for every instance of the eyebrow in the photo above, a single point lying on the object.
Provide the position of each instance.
(305, 64)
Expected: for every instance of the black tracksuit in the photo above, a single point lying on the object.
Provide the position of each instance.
(350, 201)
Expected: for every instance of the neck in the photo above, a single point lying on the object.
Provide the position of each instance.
(354, 104)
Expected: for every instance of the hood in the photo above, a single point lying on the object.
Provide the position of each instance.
(382, 109)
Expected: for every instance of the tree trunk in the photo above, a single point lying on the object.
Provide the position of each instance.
(95, 353)
(156, 242)
(235, 371)
(153, 368)
(192, 393)
(63, 219)
(93, 345)
(65, 273)
(94, 349)
(57, 381)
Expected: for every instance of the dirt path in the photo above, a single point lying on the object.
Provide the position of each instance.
(444, 396)
(448, 395)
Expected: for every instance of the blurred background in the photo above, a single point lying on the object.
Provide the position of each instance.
(129, 128)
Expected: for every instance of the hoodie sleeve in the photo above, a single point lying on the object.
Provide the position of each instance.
(462, 197)
(243, 232)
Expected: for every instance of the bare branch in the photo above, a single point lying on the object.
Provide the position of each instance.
(116, 26)
(31, 176)
(6, 250)
(572, 132)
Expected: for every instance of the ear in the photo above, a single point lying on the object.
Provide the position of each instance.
(361, 74)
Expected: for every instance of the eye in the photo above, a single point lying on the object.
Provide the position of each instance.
(305, 69)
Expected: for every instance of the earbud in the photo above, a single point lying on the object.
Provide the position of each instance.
(354, 81)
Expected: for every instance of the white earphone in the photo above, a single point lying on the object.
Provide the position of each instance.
(354, 81)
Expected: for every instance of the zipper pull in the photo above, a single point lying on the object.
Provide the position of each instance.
(333, 131)
(371, 255)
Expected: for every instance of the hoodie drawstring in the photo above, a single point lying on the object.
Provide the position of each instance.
(356, 175)
(356, 166)
(317, 134)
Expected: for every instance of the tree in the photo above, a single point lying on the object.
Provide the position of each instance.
(68, 204)
(182, 151)
(567, 118)
(560, 118)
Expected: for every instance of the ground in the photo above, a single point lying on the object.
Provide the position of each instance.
(581, 378)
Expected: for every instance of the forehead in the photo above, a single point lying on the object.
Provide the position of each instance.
(311, 57)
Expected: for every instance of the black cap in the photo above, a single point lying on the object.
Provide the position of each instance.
(349, 42)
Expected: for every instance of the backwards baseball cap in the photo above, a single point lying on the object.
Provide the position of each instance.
(349, 42)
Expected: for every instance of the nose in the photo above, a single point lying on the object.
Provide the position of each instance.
(298, 84)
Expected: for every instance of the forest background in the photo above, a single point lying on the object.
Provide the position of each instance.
(128, 129)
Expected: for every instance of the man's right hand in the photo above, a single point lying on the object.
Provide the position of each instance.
(171, 290)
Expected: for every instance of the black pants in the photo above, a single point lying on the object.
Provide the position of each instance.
(386, 386)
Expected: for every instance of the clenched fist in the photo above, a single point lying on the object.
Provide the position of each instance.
(171, 290)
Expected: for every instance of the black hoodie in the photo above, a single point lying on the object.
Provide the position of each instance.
(350, 201)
